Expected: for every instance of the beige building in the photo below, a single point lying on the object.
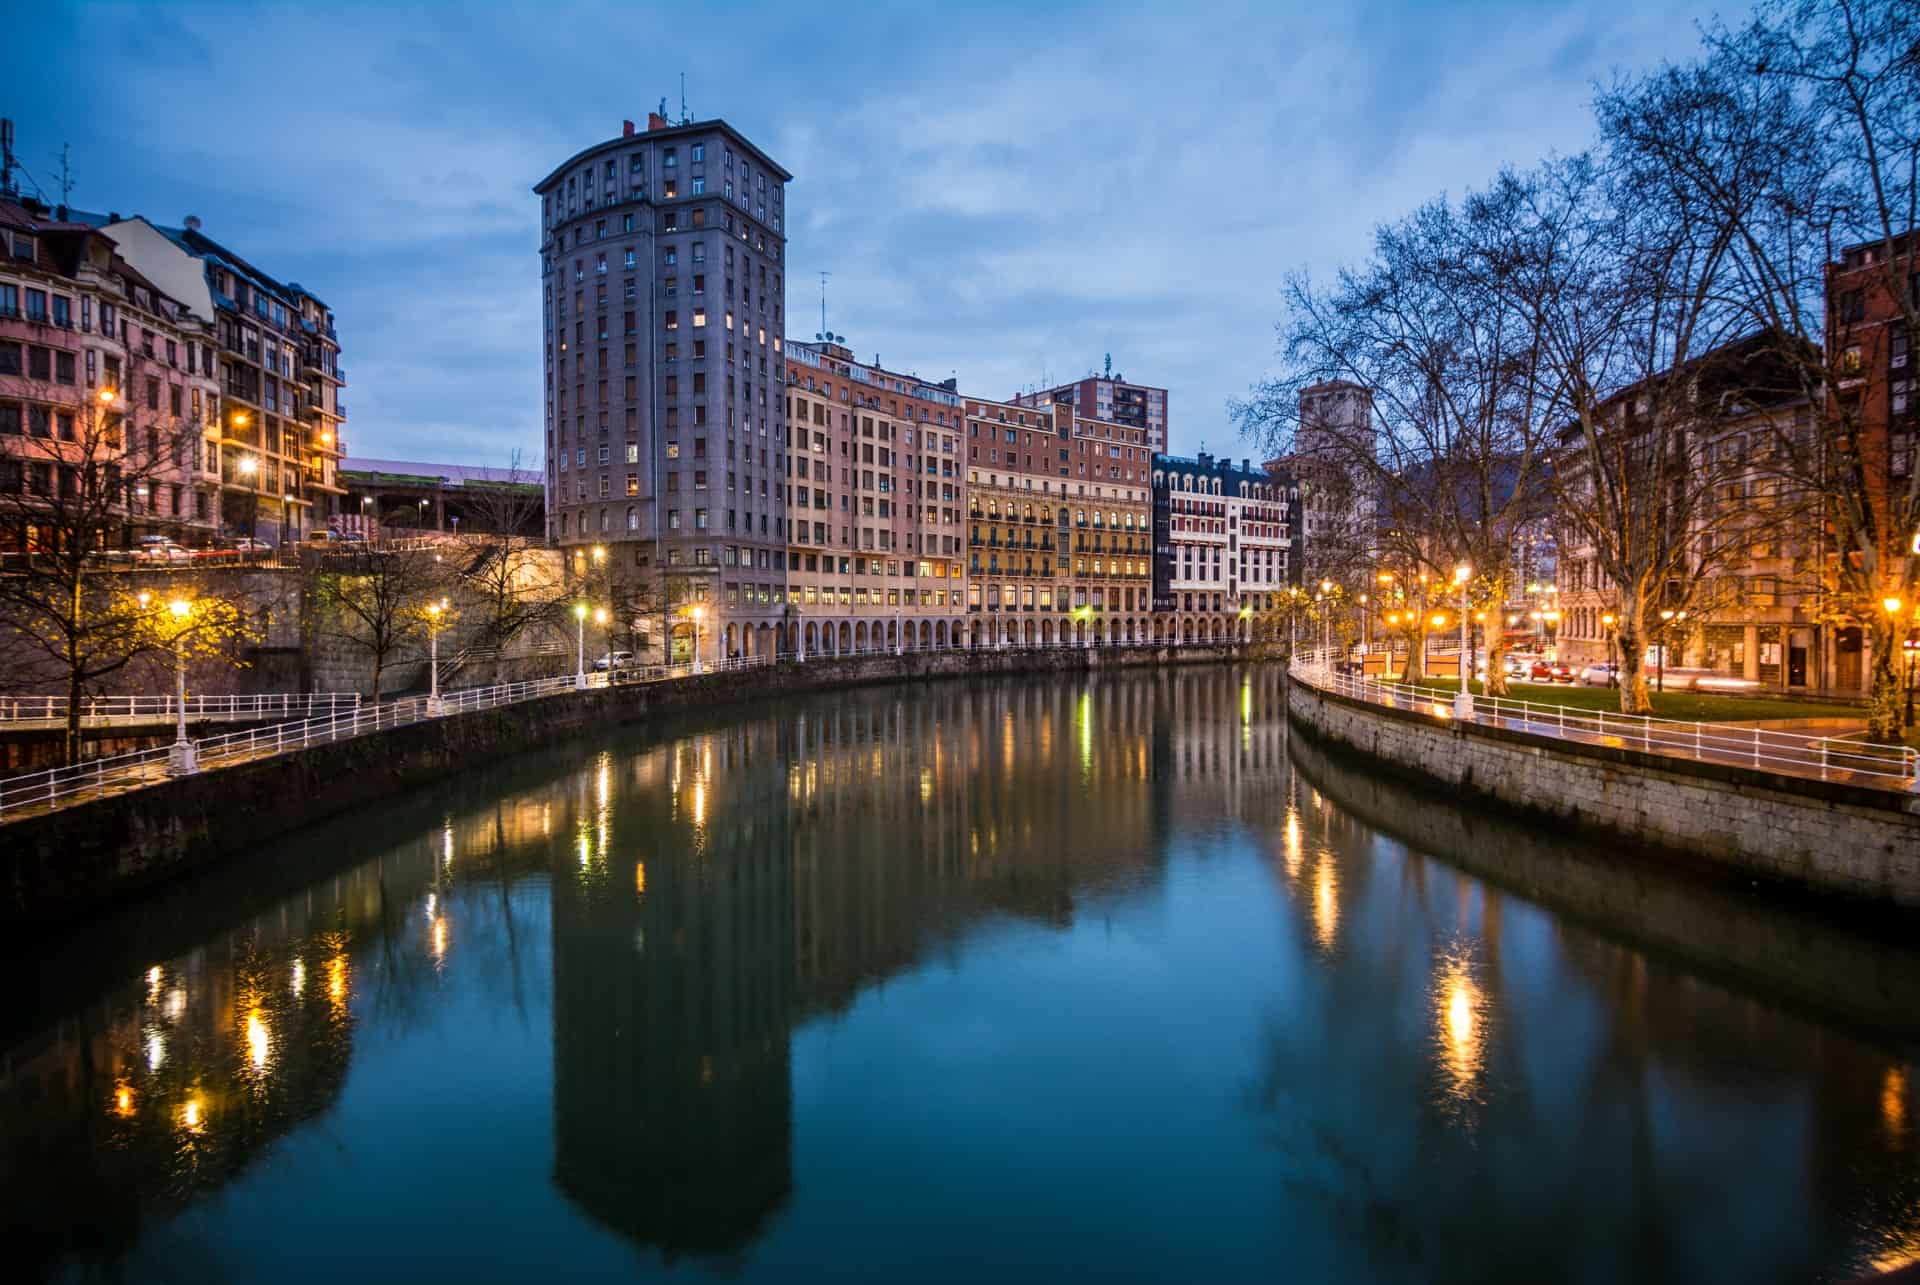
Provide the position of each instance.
(874, 505)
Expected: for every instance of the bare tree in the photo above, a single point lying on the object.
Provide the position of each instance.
(507, 565)
(1823, 238)
(72, 601)
(378, 600)
(1450, 461)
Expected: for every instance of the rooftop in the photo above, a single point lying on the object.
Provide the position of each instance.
(445, 474)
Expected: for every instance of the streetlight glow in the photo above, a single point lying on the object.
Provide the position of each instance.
(1892, 605)
(180, 608)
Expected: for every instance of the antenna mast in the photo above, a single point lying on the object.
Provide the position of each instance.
(684, 118)
(823, 303)
(6, 157)
(66, 174)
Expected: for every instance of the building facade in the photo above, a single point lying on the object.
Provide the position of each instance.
(1222, 547)
(279, 430)
(662, 263)
(874, 500)
(100, 367)
(1111, 398)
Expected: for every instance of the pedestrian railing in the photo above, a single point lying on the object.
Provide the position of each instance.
(339, 717)
(110, 711)
(1792, 753)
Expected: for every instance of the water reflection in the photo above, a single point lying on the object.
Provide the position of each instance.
(1428, 1077)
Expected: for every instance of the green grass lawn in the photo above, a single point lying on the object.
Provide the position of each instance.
(1687, 706)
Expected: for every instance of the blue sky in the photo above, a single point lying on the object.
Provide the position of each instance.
(1003, 191)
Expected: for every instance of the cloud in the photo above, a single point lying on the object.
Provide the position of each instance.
(1009, 192)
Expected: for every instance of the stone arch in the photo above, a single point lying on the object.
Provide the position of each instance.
(860, 635)
(729, 642)
(846, 637)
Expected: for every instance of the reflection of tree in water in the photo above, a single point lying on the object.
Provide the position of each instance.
(1639, 1124)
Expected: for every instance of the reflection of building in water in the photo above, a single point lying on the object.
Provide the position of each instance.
(914, 813)
(1225, 745)
(672, 977)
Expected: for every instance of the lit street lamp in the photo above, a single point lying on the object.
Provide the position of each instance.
(1911, 647)
(1613, 674)
(1463, 703)
(181, 758)
(1660, 670)
(696, 612)
(434, 707)
(580, 643)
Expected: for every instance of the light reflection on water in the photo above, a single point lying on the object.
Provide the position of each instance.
(725, 992)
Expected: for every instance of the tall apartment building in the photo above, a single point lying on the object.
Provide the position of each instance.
(874, 499)
(278, 433)
(1110, 397)
(100, 366)
(1221, 547)
(1059, 544)
(662, 266)
(1336, 511)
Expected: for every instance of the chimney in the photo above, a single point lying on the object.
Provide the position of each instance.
(193, 223)
(626, 129)
(655, 121)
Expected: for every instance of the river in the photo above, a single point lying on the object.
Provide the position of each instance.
(1101, 979)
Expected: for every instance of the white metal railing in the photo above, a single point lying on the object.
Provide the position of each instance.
(109, 711)
(61, 786)
(1795, 754)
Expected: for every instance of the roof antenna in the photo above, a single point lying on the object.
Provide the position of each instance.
(823, 303)
(1110, 376)
(66, 176)
(684, 118)
(6, 157)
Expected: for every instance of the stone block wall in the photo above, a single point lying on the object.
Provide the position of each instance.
(1850, 842)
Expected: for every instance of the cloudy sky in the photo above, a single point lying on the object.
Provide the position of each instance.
(1003, 191)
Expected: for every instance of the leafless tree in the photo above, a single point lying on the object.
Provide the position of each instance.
(378, 600)
(507, 565)
(73, 603)
(1452, 460)
(1823, 241)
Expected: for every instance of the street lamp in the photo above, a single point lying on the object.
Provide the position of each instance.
(580, 647)
(696, 612)
(1911, 649)
(434, 707)
(181, 759)
(1463, 703)
(249, 466)
(1613, 674)
(1660, 671)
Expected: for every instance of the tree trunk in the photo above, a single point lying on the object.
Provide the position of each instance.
(1415, 670)
(1884, 701)
(1496, 683)
(72, 749)
(379, 663)
(1633, 674)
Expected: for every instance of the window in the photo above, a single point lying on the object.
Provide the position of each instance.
(699, 152)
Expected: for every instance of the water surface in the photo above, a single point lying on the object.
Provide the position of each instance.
(1091, 979)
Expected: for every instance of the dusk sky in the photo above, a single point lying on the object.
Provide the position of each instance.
(1003, 192)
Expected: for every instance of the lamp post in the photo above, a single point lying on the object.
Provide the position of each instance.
(1911, 648)
(580, 647)
(249, 467)
(434, 706)
(1667, 617)
(696, 613)
(181, 759)
(1463, 703)
(1613, 674)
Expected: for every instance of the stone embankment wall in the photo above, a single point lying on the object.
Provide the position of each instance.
(64, 863)
(1850, 842)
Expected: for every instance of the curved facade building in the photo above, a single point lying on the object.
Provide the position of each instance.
(662, 262)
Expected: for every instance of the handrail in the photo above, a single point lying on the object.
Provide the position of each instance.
(109, 710)
(1820, 757)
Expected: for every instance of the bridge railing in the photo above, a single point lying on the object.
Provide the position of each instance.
(104, 710)
(1771, 749)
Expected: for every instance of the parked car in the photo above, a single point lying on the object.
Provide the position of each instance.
(158, 548)
(324, 535)
(1550, 671)
(1605, 674)
(614, 660)
(246, 546)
